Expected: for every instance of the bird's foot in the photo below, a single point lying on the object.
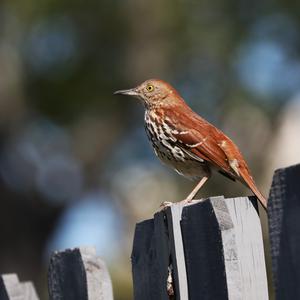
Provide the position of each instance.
(189, 201)
(165, 205)
(185, 201)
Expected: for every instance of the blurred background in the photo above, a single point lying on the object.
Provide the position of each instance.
(75, 164)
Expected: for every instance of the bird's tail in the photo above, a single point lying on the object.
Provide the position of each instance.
(251, 184)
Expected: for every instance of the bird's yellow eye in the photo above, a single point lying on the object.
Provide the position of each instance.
(150, 88)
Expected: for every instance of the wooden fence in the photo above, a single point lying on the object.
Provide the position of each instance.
(74, 274)
(211, 249)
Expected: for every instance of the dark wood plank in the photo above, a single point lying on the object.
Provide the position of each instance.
(275, 212)
(284, 226)
(203, 252)
(67, 277)
(162, 246)
(150, 259)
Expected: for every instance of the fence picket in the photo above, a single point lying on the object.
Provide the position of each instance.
(209, 249)
(283, 215)
(13, 289)
(215, 248)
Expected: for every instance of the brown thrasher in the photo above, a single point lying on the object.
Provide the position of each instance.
(187, 142)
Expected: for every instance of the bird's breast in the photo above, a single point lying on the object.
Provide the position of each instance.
(162, 139)
(168, 149)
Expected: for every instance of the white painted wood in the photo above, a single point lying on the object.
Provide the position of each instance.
(99, 284)
(17, 290)
(243, 248)
(176, 211)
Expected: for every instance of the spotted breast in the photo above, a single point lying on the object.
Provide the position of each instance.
(170, 150)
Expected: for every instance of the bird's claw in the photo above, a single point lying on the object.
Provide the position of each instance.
(165, 205)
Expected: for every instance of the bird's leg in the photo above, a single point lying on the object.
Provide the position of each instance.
(191, 196)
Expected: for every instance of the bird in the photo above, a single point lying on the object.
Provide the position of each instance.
(186, 142)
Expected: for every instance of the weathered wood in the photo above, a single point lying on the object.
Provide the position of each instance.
(243, 248)
(78, 274)
(283, 215)
(203, 252)
(66, 276)
(98, 280)
(275, 212)
(150, 259)
(229, 247)
(180, 283)
(13, 289)
(215, 249)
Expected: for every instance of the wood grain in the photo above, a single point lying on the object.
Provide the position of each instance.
(243, 251)
(283, 215)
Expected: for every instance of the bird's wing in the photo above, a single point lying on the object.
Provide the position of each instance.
(203, 140)
(206, 147)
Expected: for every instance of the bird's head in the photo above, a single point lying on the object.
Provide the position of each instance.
(153, 92)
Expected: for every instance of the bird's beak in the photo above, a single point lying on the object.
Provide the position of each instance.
(130, 92)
